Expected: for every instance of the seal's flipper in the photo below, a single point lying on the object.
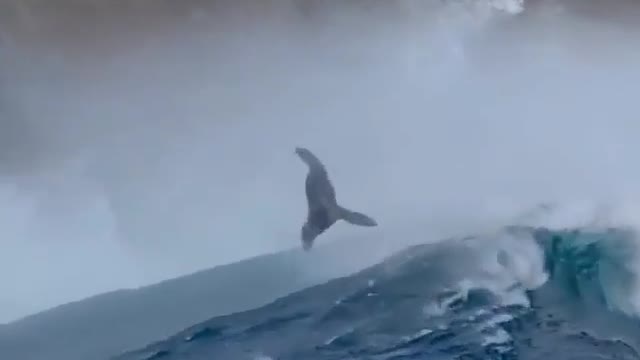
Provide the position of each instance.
(355, 218)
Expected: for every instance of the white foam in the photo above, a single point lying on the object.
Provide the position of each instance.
(497, 338)
(418, 335)
(262, 357)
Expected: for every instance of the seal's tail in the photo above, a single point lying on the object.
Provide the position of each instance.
(355, 218)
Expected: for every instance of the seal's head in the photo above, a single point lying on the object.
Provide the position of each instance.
(300, 150)
(309, 234)
(306, 156)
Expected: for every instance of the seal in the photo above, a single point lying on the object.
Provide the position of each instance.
(324, 210)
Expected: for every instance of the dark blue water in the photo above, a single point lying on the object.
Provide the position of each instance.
(521, 293)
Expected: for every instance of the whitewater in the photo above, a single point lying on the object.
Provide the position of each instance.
(494, 141)
(521, 293)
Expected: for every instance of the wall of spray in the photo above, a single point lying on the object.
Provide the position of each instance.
(144, 142)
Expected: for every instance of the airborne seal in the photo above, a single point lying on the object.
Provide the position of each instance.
(324, 210)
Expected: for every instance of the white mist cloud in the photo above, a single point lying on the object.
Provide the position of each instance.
(177, 154)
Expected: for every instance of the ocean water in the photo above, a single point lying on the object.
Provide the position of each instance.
(517, 293)
(141, 143)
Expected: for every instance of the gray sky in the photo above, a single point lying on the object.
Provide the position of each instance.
(176, 154)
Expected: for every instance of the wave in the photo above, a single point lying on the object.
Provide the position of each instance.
(522, 292)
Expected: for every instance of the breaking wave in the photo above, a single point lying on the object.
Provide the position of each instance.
(522, 292)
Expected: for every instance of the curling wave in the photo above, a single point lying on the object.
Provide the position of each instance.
(522, 292)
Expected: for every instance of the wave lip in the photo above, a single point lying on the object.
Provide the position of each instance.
(595, 268)
(447, 301)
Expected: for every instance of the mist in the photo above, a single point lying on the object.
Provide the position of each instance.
(150, 151)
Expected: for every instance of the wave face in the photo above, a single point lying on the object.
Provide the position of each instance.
(520, 293)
